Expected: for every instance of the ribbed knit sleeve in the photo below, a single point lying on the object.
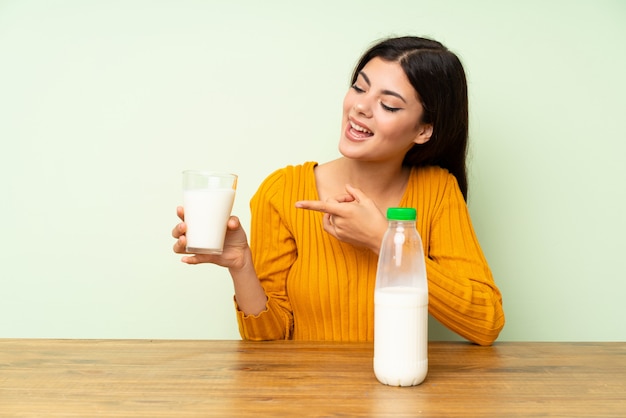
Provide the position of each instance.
(273, 252)
(462, 292)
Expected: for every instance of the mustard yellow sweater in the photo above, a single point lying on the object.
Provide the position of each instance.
(320, 288)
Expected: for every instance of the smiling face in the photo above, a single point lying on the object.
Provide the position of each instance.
(381, 115)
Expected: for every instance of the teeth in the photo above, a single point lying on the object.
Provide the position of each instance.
(359, 128)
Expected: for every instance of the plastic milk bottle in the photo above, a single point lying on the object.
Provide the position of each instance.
(401, 304)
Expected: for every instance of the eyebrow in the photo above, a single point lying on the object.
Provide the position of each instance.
(387, 92)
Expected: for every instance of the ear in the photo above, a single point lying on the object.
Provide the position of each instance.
(424, 133)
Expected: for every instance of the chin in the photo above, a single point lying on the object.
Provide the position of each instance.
(345, 150)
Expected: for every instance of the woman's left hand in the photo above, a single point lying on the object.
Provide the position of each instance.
(352, 217)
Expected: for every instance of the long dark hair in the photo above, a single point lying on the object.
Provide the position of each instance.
(439, 80)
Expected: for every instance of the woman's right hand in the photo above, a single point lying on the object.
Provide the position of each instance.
(236, 250)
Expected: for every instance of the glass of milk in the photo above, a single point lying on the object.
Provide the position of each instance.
(208, 199)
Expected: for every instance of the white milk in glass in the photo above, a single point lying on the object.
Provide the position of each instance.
(401, 331)
(206, 215)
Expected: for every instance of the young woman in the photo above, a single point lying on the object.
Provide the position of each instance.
(310, 269)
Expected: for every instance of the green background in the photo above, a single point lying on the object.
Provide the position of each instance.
(104, 103)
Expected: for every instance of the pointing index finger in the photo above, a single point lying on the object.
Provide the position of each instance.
(316, 205)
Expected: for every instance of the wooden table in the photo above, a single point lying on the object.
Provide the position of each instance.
(153, 378)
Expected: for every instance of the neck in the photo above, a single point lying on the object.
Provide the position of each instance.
(374, 178)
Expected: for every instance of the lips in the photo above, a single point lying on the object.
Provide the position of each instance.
(358, 131)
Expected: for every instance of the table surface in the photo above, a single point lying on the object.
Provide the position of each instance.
(152, 378)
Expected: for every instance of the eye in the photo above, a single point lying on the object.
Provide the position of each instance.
(389, 108)
(357, 88)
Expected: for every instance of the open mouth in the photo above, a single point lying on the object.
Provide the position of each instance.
(359, 131)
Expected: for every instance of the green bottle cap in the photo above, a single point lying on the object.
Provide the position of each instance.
(401, 214)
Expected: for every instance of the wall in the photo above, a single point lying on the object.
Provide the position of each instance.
(103, 104)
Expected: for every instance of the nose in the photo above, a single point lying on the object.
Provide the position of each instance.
(361, 107)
